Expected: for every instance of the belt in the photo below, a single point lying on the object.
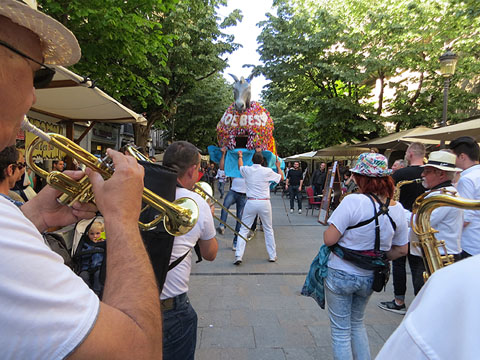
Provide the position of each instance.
(257, 198)
(171, 303)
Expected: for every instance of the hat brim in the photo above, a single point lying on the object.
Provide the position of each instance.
(441, 167)
(371, 174)
(59, 45)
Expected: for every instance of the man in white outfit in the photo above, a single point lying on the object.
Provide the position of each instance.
(257, 179)
(438, 174)
(467, 151)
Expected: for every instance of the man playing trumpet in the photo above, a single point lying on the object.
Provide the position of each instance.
(47, 311)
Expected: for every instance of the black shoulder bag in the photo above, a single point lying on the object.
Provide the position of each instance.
(381, 274)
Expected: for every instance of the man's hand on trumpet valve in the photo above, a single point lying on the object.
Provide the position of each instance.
(45, 211)
(120, 196)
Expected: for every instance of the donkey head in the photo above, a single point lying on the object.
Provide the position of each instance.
(242, 92)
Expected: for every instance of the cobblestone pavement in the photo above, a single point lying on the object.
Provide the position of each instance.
(255, 310)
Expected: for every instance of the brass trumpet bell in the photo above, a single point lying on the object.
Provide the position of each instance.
(178, 217)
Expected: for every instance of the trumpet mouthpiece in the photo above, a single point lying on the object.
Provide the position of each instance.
(27, 126)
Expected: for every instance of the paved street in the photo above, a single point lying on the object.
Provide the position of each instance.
(255, 310)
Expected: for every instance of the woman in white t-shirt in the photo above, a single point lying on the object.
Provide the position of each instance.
(348, 287)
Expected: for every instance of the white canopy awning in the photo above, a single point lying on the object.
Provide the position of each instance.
(72, 98)
(451, 132)
(397, 141)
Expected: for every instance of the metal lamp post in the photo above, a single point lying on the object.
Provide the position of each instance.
(448, 61)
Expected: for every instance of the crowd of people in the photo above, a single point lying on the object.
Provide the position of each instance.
(54, 314)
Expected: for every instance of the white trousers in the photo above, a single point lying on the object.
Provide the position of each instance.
(262, 208)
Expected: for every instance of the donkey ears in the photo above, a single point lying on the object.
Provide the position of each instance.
(250, 77)
(234, 77)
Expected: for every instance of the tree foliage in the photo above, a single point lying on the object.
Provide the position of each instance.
(344, 69)
(200, 109)
(148, 54)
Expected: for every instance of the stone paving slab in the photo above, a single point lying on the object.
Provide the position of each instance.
(255, 310)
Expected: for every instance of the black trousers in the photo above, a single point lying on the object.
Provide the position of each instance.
(399, 274)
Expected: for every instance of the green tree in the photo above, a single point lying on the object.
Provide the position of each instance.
(199, 111)
(198, 52)
(326, 58)
(147, 54)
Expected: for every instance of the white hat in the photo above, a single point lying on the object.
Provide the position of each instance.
(442, 160)
(59, 45)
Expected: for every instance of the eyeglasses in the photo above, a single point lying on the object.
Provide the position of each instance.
(20, 166)
(43, 76)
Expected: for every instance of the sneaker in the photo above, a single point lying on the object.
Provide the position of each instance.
(393, 307)
(273, 259)
(291, 211)
(238, 260)
(299, 211)
(221, 230)
(250, 235)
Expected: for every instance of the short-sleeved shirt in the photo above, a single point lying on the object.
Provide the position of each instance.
(356, 208)
(177, 279)
(448, 221)
(47, 310)
(469, 187)
(257, 178)
(294, 177)
(409, 192)
(238, 185)
(441, 322)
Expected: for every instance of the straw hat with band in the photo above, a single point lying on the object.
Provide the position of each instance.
(59, 45)
(372, 165)
(442, 160)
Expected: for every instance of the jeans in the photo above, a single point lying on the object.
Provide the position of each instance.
(239, 199)
(221, 187)
(180, 330)
(347, 297)
(293, 190)
(399, 275)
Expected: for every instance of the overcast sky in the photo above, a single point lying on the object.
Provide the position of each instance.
(246, 34)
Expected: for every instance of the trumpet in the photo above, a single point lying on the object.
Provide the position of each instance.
(179, 217)
(205, 191)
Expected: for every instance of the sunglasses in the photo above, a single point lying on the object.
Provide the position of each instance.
(20, 166)
(42, 76)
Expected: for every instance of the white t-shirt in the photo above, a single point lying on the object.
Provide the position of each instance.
(238, 185)
(469, 187)
(221, 176)
(177, 279)
(46, 310)
(257, 178)
(442, 321)
(356, 208)
(448, 221)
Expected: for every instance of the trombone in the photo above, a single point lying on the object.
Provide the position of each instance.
(179, 217)
(205, 191)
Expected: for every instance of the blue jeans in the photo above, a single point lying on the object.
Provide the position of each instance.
(180, 330)
(293, 190)
(347, 297)
(239, 199)
(221, 187)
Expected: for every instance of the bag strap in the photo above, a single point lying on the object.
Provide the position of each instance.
(377, 226)
(383, 211)
(178, 260)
